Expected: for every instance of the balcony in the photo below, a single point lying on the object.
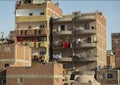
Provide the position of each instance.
(84, 59)
(78, 59)
(65, 19)
(36, 44)
(31, 18)
(35, 32)
(61, 45)
(85, 18)
(65, 59)
(85, 32)
(43, 44)
(85, 45)
(30, 6)
(62, 33)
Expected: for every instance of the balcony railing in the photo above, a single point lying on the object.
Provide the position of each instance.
(57, 46)
(84, 45)
(78, 59)
(30, 32)
(36, 44)
(84, 59)
(62, 20)
(85, 31)
(85, 18)
(62, 45)
(31, 18)
(65, 59)
(62, 33)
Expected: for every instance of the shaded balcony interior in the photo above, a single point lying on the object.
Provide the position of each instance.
(29, 32)
(78, 28)
(39, 54)
(79, 55)
(74, 42)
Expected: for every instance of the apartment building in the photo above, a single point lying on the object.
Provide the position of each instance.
(79, 41)
(115, 48)
(32, 21)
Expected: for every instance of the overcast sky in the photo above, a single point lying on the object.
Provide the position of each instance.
(111, 9)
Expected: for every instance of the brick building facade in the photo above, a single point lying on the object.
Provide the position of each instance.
(14, 55)
(115, 48)
(41, 74)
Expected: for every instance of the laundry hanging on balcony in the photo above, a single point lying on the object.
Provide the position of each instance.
(65, 45)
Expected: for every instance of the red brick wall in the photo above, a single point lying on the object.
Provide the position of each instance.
(41, 74)
(116, 49)
(55, 8)
(7, 55)
(16, 52)
(101, 39)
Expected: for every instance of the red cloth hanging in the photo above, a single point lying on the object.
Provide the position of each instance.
(65, 44)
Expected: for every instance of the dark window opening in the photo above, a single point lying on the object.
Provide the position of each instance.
(35, 57)
(30, 14)
(25, 32)
(62, 27)
(27, 1)
(21, 32)
(6, 65)
(35, 32)
(72, 77)
(39, 31)
(42, 52)
(109, 75)
(86, 26)
(3, 82)
(34, 44)
(89, 40)
(42, 13)
(29, 27)
(42, 26)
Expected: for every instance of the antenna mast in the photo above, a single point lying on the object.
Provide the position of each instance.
(2, 33)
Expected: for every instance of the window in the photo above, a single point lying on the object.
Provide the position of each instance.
(27, 1)
(30, 14)
(42, 13)
(3, 82)
(25, 32)
(35, 57)
(35, 32)
(42, 52)
(29, 27)
(88, 40)
(101, 76)
(6, 65)
(109, 75)
(86, 26)
(21, 32)
(30, 39)
(20, 80)
(39, 31)
(42, 26)
(62, 27)
(34, 44)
